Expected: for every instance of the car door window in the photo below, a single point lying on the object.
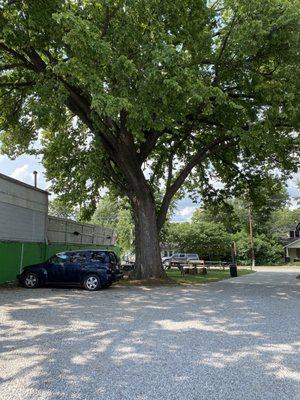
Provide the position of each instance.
(59, 258)
(99, 256)
(73, 267)
(56, 267)
(77, 258)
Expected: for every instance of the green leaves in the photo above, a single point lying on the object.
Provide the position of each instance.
(105, 79)
(209, 240)
(115, 213)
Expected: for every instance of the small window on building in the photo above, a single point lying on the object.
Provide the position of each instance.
(292, 234)
(298, 253)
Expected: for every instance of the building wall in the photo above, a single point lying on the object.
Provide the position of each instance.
(67, 231)
(29, 236)
(23, 211)
(15, 255)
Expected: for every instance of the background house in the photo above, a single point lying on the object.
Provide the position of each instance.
(292, 248)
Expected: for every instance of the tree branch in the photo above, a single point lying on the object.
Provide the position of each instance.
(115, 178)
(15, 85)
(223, 47)
(109, 15)
(170, 170)
(149, 144)
(15, 54)
(183, 174)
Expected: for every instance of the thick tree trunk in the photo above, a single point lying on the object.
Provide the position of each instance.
(147, 248)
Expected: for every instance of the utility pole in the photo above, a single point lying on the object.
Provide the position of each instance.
(233, 252)
(251, 237)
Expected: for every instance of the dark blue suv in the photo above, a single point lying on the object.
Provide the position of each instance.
(92, 269)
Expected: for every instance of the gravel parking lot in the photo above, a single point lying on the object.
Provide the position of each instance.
(235, 339)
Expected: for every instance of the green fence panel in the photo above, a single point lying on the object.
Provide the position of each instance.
(10, 261)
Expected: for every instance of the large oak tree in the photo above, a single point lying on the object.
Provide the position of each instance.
(150, 97)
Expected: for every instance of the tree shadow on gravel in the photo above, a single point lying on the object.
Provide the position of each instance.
(204, 342)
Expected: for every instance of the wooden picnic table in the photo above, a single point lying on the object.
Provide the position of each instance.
(194, 267)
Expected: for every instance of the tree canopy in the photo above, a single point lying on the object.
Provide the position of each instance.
(263, 200)
(150, 98)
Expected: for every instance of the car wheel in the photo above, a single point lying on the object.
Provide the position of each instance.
(31, 280)
(92, 282)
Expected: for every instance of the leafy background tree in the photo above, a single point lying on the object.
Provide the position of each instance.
(115, 213)
(215, 226)
(182, 88)
(268, 250)
(206, 238)
(282, 221)
(58, 208)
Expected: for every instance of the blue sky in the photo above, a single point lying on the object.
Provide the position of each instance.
(22, 169)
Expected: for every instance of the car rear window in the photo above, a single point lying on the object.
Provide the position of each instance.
(113, 257)
(100, 256)
(77, 257)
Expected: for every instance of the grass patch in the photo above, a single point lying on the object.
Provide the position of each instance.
(174, 277)
(291, 264)
(212, 275)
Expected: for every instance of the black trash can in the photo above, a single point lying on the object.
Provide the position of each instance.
(233, 270)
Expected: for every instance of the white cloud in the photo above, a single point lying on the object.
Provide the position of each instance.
(23, 174)
(187, 212)
(293, 182)
(216, 183)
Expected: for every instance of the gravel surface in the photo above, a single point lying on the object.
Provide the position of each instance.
(233, 340)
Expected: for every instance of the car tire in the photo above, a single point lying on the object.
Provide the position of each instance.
(30, 280)
(92, 282)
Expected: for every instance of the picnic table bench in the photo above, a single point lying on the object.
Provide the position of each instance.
(200, 266)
